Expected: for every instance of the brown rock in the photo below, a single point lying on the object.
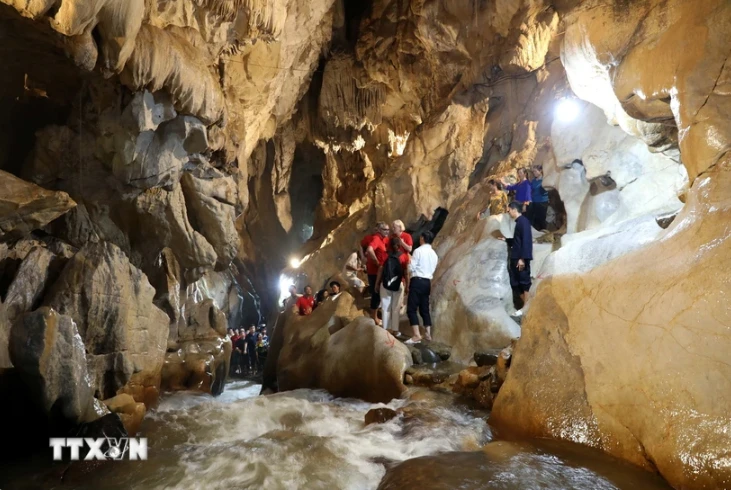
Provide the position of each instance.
(123, 331)
(25, 207)
(379, 415)
(130, 412)
(565, 381)
(484, 395)
(337, 349)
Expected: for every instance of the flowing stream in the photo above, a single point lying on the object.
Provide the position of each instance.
(308, 439)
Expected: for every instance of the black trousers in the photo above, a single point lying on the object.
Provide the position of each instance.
(419, 291)
(519, 280)
(375, 294)
(537, 215)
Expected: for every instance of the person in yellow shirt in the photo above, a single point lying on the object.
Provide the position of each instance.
(498, 200)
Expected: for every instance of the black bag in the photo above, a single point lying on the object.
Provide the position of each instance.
(392, 273)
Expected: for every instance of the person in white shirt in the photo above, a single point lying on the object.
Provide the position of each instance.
(422, 267)
(352, 268)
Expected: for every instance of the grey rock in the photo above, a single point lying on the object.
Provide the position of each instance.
(49, 354)
(111, 302)
(487, 357)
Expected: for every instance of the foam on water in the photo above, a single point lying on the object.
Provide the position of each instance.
(297, 439)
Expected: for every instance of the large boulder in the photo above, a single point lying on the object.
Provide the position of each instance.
(337, 349)
(603, 356)
(471, 295)
(211, 198)
(49, 354)
(125, 334)
(25, 207)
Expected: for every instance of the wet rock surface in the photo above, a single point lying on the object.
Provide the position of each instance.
(379, 415)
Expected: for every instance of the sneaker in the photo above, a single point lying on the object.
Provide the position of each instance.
(411, 341)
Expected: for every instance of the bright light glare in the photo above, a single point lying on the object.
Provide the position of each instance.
(284, 284)
(294, 262)
(567, 110)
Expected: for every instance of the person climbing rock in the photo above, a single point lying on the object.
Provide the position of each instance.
(521, 252)
(422, 267)
(498, 203)
(375, 246)
(538, 207)
(392, 276)
(522, 189)
(305, 304)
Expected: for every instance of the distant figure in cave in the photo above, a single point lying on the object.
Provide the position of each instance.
(334, 289)
(398, 233)
(252, 364)
(422, 267)
(498, 203)
(321, 297)
(375, 252)
(351, 269)
(292, 298)
(539, 200)
(521, 252)
(306, 303)
(391, 280)
(522, 189)
(240, 349)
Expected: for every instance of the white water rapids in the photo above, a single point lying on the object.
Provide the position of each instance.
(307, 439)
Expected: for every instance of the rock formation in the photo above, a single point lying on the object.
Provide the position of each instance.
(177, 155)
(338, 349)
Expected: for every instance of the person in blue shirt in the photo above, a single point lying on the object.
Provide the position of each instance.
(522, 189)
(539, 200)
(521, 252)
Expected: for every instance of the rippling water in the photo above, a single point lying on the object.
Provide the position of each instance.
(308, 439)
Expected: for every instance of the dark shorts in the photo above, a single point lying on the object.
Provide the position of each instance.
(375, 295)
(519, 280)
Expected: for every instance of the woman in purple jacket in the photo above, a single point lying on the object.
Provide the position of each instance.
(522, 189)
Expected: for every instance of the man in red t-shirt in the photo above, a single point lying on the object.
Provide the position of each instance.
(306, 303)
(375, 252)
(398, 232)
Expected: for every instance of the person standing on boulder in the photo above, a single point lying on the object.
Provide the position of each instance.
(539, 200)
(376, 254)
(422, 267)
(305, 304)
(391, 278)
(498, 203)
(521, 252)
(398, 233)
(522, 189)
(351, 269)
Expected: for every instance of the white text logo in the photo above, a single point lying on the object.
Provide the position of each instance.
(135, 448)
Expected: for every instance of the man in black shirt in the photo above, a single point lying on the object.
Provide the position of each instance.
(521, 252)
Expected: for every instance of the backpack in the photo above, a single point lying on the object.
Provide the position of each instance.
(392, 273)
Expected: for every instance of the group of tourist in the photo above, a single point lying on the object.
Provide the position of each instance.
(528, 209)
(306, 303)
(530, 193)
(397, 270)
(249, 349)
